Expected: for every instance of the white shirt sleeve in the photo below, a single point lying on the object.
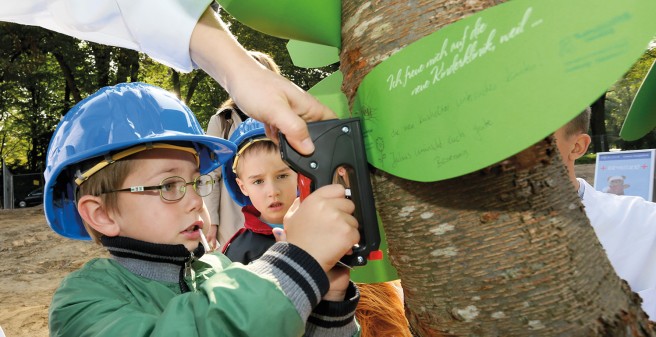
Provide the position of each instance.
(160, 28)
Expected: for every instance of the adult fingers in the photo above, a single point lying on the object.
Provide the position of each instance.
(292, 121)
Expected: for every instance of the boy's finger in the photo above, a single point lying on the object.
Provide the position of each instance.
(293, 208)
(330, 191)
(279, 234)
(344, 205)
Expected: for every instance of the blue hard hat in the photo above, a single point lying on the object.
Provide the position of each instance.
(246, 131)
(112, 119)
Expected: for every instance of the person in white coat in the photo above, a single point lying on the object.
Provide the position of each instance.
(625, 225)
(184, 35)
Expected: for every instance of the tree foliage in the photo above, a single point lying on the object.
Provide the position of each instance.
(44, 73)
(618, 102)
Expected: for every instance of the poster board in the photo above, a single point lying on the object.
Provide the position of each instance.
(626, 172)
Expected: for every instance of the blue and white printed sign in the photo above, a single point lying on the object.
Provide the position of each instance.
(626, 173)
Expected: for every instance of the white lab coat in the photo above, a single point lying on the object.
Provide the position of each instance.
(161, 29)
(626, 228)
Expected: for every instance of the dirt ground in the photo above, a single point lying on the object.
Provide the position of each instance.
(33, 260)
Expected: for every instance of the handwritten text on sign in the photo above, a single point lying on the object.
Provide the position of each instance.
(474, 43)
(489, 86)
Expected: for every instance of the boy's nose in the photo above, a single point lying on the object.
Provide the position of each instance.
(273, 190)
(193, 200)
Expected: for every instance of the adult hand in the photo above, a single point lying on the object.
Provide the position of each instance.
(281, 105)
(259, 92)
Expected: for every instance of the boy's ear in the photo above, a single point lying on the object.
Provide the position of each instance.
(241, 186)
(94, 213)
(583, 141)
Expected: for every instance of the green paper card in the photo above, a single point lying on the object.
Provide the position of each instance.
(491, 85)
(379, 270)
(311, 55)
(642, 115)
(305, 20)
(329, 92)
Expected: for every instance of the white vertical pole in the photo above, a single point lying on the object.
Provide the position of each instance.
(7, 187)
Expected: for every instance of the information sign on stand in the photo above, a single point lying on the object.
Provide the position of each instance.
(626, 173)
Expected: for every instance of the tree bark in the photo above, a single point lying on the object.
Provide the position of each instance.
(504, 251)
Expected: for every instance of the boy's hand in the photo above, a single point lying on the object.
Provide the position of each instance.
(279, 234)
(323, 225)
(339, 278)
(211, 237)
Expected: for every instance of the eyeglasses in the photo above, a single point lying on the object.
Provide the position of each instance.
(174, 188)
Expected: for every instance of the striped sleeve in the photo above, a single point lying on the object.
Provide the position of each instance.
(299, 275)
(335, 319)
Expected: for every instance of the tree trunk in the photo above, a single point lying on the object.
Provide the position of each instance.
(134, 68)
(598, 126)
(504, 251)
(68, 76)
(128, 61)
(32, 153)
(102, 58)
(175, 80)
(198, 76)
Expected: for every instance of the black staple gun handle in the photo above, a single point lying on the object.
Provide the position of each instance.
(339, 149)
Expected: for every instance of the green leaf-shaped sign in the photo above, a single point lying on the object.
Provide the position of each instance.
(376, 271)
(642, 115)
(311, 55)
(316, 21)
(486, 87)
(329, 92)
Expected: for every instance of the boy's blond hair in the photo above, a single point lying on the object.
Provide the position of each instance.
(109, 178)
(265, 146)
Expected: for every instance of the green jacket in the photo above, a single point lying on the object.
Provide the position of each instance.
(132, 295)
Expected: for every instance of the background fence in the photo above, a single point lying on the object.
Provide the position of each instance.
(16, 186)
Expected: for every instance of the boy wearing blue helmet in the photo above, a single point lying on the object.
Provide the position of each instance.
(127, 168)
(258, 180)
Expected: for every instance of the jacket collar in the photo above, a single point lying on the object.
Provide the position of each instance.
(160, 262)
(253, 223)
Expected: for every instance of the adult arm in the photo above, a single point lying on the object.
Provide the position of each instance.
(161, 29)
(259, 92)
